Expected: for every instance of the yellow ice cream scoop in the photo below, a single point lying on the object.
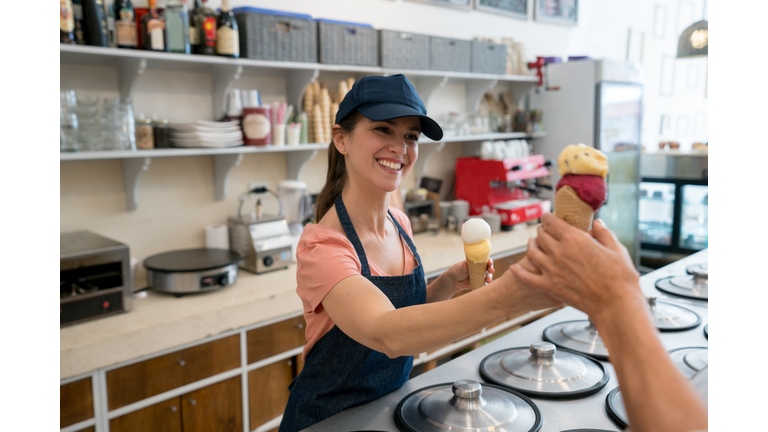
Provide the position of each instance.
(584, 160)
(478, 252)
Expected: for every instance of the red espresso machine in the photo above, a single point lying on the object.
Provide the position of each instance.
(508, 187)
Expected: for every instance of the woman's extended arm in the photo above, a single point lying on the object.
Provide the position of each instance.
(366, 315)
(598, 278)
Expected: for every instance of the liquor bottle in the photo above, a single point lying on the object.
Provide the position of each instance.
(194, 35)
(127, 36)
(95, 23)
(77, 13)
(66, 22)
(206, 30)
(109, 12)
(153, 31)
(228, 37)
(177, 18)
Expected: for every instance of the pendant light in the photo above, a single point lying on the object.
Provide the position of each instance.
(694, 42)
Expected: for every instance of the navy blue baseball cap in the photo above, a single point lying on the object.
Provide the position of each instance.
(381, 98)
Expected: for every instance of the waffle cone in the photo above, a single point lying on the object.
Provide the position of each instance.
(570, 208)
(476, 274)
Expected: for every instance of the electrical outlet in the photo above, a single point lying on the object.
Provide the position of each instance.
(255, 184)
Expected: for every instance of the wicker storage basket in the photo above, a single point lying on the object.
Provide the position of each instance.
(403, 50)
(489, 58)
(449, 54)
(347, 43)
(274, 35)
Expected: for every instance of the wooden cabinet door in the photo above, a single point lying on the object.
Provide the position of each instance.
(154, 376)
(274, 339)
(268, 391)
(218, 408)
(75, 402)
(501, 265)
(162, 417)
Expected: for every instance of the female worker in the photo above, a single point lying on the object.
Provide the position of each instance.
(366, 303)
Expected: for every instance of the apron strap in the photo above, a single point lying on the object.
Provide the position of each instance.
(405, 237)
(349, 230)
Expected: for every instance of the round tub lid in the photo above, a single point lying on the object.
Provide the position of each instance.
(467, 406)
(615, 407)
(580, 336)
(700, 269)
(542, 370)
(695, 287)
(706, 331)
(690, 360)
(191, 260)
(670, 317)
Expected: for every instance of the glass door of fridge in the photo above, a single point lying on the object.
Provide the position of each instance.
(694, 217)
(657, 213)
(619, 115)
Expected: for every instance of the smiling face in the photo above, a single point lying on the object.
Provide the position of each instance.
(380, 153)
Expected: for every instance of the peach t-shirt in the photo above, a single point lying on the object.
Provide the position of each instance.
(325, 258)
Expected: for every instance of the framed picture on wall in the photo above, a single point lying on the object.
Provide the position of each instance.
(459, 4)
(514, 8)
(563, 12)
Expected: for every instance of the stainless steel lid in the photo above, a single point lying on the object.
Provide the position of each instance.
(701, 269)
(580, 336)
(542, 370)
(690, 360)
(467, 406)
(670, 317)
(695, 286)
(706, 331)
(614, 404)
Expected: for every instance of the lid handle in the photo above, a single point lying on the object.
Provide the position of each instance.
(543, 349)
(467, 389)
(699, 273)
(652, 302)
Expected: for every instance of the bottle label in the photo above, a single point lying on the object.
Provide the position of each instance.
(67, 21)
(209, 31)
(193, 38)
(126, 33)
(256, 126)
(228, 41)
(155, 29)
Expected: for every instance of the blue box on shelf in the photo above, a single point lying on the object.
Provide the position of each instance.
(267, 34)
(343, 42)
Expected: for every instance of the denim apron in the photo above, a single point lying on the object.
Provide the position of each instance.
(340, 373)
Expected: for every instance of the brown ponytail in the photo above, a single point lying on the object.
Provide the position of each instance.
(337, 171)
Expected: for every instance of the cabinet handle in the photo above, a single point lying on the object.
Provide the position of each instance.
(299, 326)
(173, 408)
(290, 362)
(182, 363)
(193, 402)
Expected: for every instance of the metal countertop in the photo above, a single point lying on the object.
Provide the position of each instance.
(557, 415)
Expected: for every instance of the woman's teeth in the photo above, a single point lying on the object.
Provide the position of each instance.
(390, 165)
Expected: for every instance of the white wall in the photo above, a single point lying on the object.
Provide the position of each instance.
(176, 194)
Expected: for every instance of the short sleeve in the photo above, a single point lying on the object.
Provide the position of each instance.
(325, 257)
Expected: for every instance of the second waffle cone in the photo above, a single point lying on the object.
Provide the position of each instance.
(570, 208)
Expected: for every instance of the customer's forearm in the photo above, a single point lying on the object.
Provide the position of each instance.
(657, 396)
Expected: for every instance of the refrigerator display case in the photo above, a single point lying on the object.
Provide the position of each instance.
(674, 200)
(598, 103)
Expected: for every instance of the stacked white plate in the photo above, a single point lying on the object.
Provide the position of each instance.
(206, 134)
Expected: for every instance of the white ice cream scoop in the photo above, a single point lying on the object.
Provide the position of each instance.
(475, 230)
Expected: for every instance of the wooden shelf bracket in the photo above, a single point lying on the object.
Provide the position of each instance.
(296, 83)
(128, 70)
(222, 167)
(295, 162)
(222, 77)
(132, 170)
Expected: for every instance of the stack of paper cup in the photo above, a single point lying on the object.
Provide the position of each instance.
(493, 220)
(460, 211)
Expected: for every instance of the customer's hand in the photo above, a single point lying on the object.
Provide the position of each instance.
(458, 274)
(526, 294)
(586, 274)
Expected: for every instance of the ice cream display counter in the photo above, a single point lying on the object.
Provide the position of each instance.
(587, 409)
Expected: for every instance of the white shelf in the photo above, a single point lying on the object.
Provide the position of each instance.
(162, 60)
(181, 152)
